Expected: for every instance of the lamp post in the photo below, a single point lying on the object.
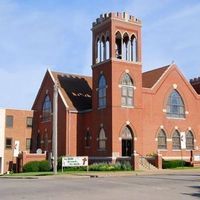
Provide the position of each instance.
(55, 126)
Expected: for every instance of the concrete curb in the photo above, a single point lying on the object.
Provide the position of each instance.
(108, 174)
(19, 177)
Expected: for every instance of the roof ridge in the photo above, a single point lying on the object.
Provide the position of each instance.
(166, 66)
(71, 74)
(150, 78)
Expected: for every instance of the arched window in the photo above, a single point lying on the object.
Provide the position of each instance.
(189, 140)
(176, 140)
(175, 105)
(127, 90)
(102, 92)
(133, 48)
(118, 45)
(127, 133)
(87, 139)
(107, 48)
(46, 109)
(102, 139)
(103, 49)
(98, 51)
(126, 47)
(162, 140)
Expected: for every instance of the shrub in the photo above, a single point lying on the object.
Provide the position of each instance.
(37, 166)
(173, 163)
(125, 166)
(75, 169)
(32, 166)
(44, 166)
(103, 166)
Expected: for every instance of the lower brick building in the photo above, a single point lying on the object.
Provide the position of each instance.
(120, 110)
(15, 137)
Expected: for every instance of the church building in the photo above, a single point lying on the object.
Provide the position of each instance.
(119, 110)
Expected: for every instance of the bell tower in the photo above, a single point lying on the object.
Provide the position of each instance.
(116, 35)
(117, 80)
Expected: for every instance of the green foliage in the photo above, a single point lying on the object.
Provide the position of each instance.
(44, 166)
(59, 164)
(37, 166)
(125, 166)
(173, 163)
(65, 169)
(118, 166)
(32, 166)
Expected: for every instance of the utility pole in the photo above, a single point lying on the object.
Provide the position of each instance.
(55, 126)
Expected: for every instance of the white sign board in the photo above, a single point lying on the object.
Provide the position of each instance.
(75, 161)
(16, 148)
(196, 157)
(183, 140)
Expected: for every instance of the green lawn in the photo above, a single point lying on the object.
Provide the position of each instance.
(85, 173)
(81, 173)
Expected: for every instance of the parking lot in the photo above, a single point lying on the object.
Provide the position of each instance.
(171, 186)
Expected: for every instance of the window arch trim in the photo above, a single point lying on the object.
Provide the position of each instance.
(127, 133)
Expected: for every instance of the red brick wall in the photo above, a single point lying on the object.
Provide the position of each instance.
(154, 117)
(41, 127)
(19, 132)
(27, 157)
(114, 117)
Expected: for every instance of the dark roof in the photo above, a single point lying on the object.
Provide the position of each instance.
(76, 90)
(196, 84)
(149, 78)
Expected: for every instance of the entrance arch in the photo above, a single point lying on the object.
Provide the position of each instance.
(127, 141)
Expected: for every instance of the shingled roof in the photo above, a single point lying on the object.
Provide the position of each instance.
(149, 78)
(76, 90)
(196, 84)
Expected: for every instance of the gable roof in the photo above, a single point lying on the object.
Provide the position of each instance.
(75, 89)
(150, 78)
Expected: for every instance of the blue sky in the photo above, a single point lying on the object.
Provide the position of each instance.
(36, 35)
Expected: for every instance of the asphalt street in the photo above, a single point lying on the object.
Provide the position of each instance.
(155, 187)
